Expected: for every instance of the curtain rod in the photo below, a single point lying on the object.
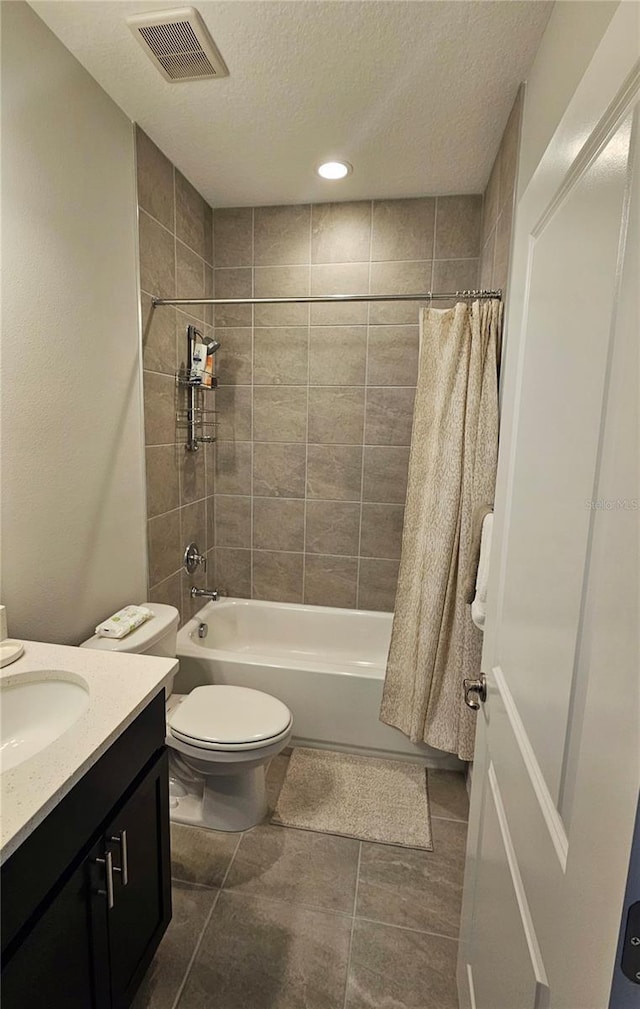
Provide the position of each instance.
(427, 296)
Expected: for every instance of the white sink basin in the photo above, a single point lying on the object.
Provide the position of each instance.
(34, 712)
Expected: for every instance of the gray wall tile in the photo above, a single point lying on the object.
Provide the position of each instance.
(159, 347)
(281, 235)
(491, 202)
(334, 472)
(340, 232)
(392, 355)
(280, 414)
(454, 275)
(192, 476)
(337, 355)
(381, 531)
(233, 236)
(339, 278)
(281, 282)
(333, 527)
(503, 247)
(157, 258)
(233, 406)
(485, 279)
(278, 524)
(330, 581)
(159, 409)
(233, 467)
(279, 469)
(155, 180)
(389, 416)
(458, 227)
(277, 576)
(281, 356)
(508, 153)
(192, 214)
(315, 403)
(233, 283)
(403, 229)
(180, 485)
(168, 592)
(193, 525)
(398, 278)
(233, 521)
(163, 484)
(385, 474)
(336, 415)
(164, 546)
(233, 572)
(190, 277)
(234, 358)
(377, 581)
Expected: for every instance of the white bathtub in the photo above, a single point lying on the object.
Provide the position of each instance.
(326, 664)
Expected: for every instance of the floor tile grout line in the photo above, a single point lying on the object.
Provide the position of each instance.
(231, 861)
(249, 895)
(355, 895)
(353, 925)
(192, 882)
(196, 950)
(407, 928)
(205, 926)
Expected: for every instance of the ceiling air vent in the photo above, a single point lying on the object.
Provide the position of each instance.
(178, 42)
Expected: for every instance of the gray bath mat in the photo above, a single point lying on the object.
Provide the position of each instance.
(363, 797)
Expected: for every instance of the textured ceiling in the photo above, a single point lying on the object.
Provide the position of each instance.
(414, 94)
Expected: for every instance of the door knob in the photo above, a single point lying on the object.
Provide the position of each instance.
(475, 691)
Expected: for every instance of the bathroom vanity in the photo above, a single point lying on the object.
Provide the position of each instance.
(85, 833)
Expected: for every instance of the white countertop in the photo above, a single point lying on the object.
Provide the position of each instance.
(120, 686)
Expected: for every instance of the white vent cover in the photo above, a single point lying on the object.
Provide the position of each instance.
(179, 44)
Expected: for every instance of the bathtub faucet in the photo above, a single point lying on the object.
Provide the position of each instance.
(211, 594)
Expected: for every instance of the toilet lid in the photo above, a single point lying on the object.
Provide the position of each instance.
(229, 716)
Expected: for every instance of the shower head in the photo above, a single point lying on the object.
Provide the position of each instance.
(211, 345)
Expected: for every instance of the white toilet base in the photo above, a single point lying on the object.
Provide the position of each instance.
(228, 802)
(219, 789)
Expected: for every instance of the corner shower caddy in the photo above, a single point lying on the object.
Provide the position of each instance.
(197, 420)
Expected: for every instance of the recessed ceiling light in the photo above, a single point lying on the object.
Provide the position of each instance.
(334, 169)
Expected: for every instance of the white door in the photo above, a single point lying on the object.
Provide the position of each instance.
(556, 773)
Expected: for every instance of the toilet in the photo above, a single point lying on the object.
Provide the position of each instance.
(219, 737)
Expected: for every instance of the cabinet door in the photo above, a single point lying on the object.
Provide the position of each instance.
(138, 838)
(62, 963)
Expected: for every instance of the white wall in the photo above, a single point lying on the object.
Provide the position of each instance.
(73, 522)
(571, 38)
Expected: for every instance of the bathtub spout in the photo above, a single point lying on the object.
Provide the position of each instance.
(211, 594)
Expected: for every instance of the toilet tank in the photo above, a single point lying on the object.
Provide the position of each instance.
(156, 636)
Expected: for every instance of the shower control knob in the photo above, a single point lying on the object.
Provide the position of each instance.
(192, 558)
(475, 692)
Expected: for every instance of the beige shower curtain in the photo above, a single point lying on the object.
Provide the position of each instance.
(452, 468)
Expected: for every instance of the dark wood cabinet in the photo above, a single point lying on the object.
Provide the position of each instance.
(56, 962)
(80, 932)
(142, 893)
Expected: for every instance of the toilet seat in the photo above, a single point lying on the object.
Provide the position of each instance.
(226, 718)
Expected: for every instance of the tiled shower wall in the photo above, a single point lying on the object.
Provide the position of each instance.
(175, 230)
(498, 204)
(315, 404)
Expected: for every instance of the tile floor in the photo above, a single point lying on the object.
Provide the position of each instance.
(276, 918)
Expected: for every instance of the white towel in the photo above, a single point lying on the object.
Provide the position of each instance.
(123, 622)
(479, 604)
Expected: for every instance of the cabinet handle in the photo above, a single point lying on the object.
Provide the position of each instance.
(107, 861)
(123, 869)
